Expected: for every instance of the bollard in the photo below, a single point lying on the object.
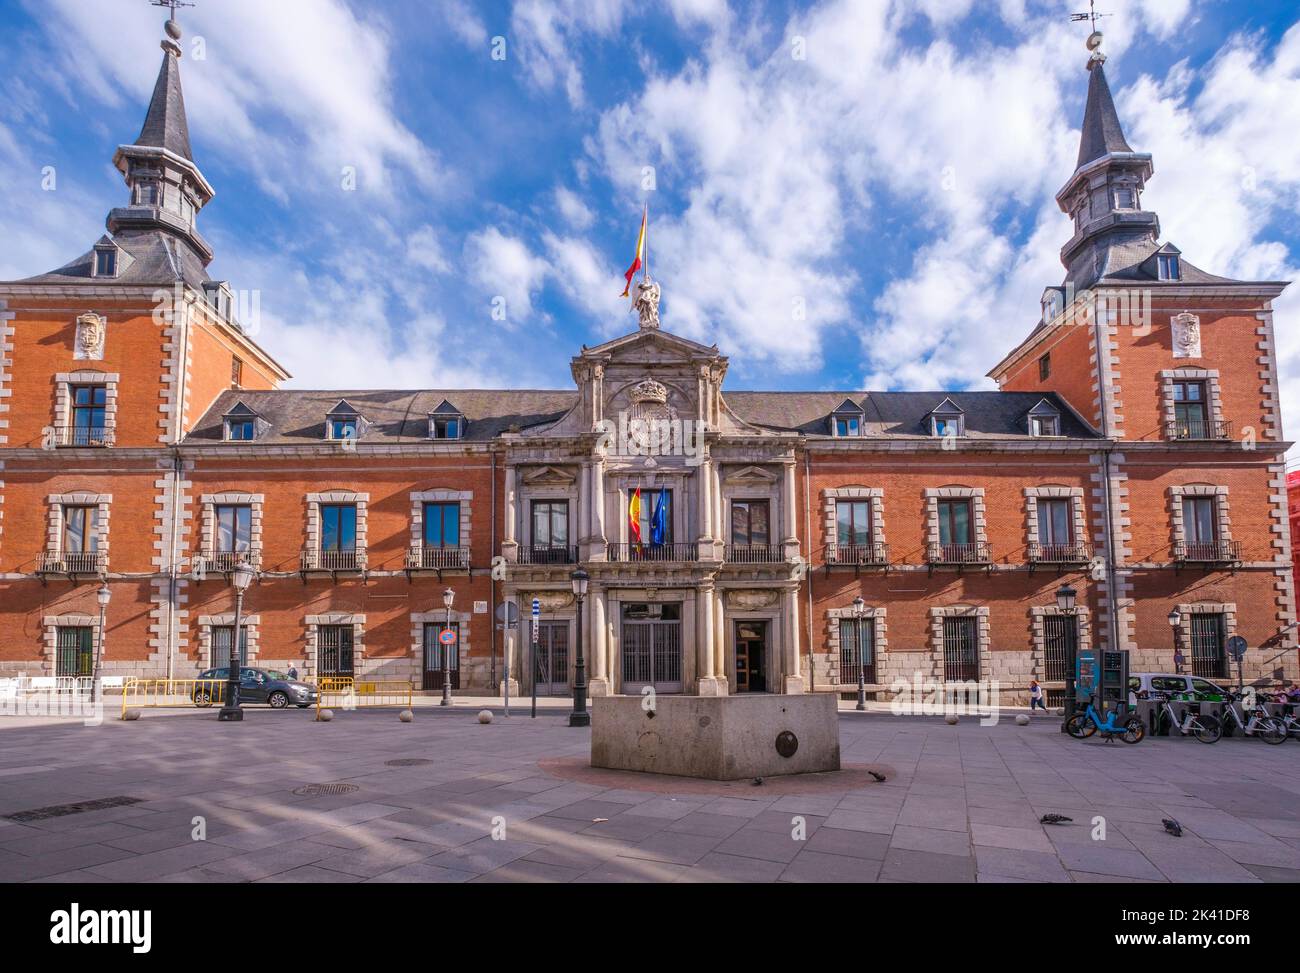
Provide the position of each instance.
(130, 715)
(951, 719)
(324, 715)
(1022, 719)
(406, 716)
(485, 716)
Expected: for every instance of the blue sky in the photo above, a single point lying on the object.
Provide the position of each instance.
(875, 213)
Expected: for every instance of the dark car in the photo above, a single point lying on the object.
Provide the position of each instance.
(257, 686)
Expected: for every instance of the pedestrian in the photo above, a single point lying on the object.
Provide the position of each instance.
(293, 671)
(1036, 700)
(1179, 661)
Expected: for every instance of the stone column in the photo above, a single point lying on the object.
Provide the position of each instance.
(509, 545)
(720, 643)
(704, 482)
(509, 647)
(598, 610)
(598, 508)
(705, 648)
(789, 512)
(583, 520)
(793, 681)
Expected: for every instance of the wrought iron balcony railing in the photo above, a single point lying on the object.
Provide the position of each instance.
(437, 558)
(85, 562)
(1208, 552)
(83, 436)
(976, 553)
(632, 553)
(1039, 553)
(354, 560)
(755, 554)
(854, 555)
(223, 562)
(1210, 430)
(547, 555)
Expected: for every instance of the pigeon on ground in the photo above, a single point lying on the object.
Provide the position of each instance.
(758, 781)
(1172, 826)
(1053, 818)
(879, 776)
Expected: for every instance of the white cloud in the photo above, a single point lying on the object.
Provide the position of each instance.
(424, 249)
(547, 33)
(503, 266)
(573, 209)
(464, 23)
(589, 281)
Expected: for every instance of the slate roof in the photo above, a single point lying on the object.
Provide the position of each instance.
(155, 258)
(296, 417)
(1102, 132)
(164, 124)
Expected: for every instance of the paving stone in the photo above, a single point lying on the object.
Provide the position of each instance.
(1100, 858)
(719, 867)
(931, 839)
(706, 823)
(1034, 866)
(855, 844)
(1024, 839)
(815, 866)
(748, 842)
(878, 822)
(906, 865)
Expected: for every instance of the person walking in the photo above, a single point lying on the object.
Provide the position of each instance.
(293, 671)
(1036, 700)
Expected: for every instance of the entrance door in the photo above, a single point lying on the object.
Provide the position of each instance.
(552, 659)
(652, 648)
(433, 650)
(751, 657)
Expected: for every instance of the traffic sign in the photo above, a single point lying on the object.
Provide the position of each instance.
(537, 608)
(447, 636)
(1237, 647)
(508, 612)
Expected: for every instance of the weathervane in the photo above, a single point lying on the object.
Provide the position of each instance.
(1094, 39)
(173, 4)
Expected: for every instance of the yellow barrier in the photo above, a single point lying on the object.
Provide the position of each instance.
(171, 692)
(334, 683)
(367, 693)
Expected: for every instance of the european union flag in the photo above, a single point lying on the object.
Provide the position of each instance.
(659, 519)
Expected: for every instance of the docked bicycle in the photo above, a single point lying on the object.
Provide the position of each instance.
(1128, 728)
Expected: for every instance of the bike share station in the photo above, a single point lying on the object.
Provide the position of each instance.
(1101, 677)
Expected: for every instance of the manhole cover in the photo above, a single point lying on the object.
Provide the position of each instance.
(407, 762)
(325, 790)
(786, 743)
(61, 810)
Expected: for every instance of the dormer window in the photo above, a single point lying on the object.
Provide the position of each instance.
(343, 428)
(240, 424)
(106, 261)
(1044, 420)
(1053, 303)
(146, 194)
(343, 422)
(847, 419)
(1168, 267)
(947, 419)
(1126, 198)
(220, 297)
(446, 422)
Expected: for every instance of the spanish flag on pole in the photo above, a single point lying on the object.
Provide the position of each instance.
(639, 260)
(634, 516)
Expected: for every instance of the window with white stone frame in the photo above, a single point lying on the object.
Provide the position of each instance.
(1053, 629)
(843, 657)
(430, 548)
(208, 624)
(1203, 630)
(956, 526)
(1057, 525)
(1192, 404)
(85, 409)
(852, 550)
(67, 623)
(321, 629)
(80, 547)
(349, 556)
(421, 661)
(1202, 529)
(960, 643)
(230, 531)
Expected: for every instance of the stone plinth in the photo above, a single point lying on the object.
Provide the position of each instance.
(717, 737)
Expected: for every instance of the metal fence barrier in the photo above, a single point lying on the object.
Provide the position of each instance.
(142, 693)
(363, 694)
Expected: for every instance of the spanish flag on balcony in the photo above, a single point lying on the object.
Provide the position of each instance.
(634, 516)
(639, 260)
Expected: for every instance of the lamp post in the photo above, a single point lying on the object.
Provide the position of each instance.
(1066, 599)
(579, 716)
(230, 712)
(858, 607)
(103, 596)
(448, 596)
(1175, 619)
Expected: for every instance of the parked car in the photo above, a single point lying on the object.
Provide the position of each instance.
(259, 686)
(1174, 684)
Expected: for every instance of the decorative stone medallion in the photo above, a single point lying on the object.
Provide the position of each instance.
(748, 599)
(1187, 336)
(92, 333)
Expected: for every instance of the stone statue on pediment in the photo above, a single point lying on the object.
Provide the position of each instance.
(647, 303)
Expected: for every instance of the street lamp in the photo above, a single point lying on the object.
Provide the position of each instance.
(579, 716)
(448, 596)
(1175, 618)
(230, 712)
(858, 607)
(1066, 599)
(103, 596)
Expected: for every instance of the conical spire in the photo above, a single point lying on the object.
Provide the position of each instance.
(1102, 133)
(164, 124)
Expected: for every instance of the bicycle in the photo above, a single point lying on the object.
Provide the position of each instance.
(1203, 726)
(1269, 728)
(1286, 716)
(1085, 724)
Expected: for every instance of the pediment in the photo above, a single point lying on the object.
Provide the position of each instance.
(549, 476)
(751, 474)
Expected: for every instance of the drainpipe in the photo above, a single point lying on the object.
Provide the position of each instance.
(181, 318)
(808, 570)
(492, 575)
(1103, 374)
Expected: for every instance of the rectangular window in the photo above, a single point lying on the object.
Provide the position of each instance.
(80, 530)
(223, 636)
(853, 523)
(1167, 267)
(846, 425)
(1060, 638)
(1045, 366)
(1125, 198)
(334, 650)
(947, 427)
(445, 428)
(650, 502)
(960, 649)
(240, 430)
(857, 646)
(1199, 521)
(1190, 411)
(89, 409)
(551, 523)
(236, 372)
(234, 528)
(338, 527)
(1045, 425)
(76, 650)
(1209, 660)
(954, 522)
(146, 193)
(1055, 523)
(442, 524)
(105, 263)
(750, 523)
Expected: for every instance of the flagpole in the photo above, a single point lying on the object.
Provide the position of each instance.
(645, 271)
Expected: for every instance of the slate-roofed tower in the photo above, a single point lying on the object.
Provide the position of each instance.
(1104, 195)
